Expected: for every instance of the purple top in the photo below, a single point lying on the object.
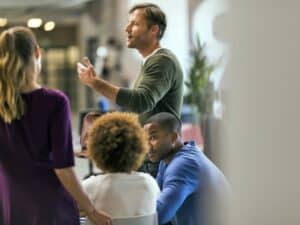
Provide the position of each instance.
(30, 150)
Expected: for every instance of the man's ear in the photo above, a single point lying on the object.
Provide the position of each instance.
(174, 137)
(155, 29)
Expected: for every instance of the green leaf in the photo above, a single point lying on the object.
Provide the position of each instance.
(199, 85)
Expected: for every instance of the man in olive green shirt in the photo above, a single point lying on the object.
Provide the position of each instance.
(159, 86)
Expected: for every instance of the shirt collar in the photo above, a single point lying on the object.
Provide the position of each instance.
(151, 54)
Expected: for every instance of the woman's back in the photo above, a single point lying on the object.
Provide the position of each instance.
(117, 144)
(123, 194)
(31, 148)
(36, 154)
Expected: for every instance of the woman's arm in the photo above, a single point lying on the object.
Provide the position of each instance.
(68, 178)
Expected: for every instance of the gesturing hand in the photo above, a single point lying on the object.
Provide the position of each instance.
(99, 218)
(86, 72)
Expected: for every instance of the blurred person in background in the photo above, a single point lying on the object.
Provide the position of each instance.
(193, 190)
(36, 155)
(159, 86)
(118, 144)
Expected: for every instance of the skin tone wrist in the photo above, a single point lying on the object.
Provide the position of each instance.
(96, 83)
(91, 209)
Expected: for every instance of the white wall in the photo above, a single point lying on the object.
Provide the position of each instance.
(206, 13)
(260, 129)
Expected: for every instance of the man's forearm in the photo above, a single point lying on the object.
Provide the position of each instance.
(170, 200)
(106, 89)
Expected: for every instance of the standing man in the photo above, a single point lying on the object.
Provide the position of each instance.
(193, 190)
(159, 86)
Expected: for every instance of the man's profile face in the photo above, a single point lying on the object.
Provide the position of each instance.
(160, 142)
(138, 31)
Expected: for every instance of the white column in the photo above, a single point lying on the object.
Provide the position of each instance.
(260, 129)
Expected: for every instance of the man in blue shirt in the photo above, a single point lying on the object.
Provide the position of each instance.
(193, 189)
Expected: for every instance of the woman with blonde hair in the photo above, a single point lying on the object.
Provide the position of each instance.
(36, 153)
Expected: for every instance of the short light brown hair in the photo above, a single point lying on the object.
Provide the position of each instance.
(154, 16)
(117, 142)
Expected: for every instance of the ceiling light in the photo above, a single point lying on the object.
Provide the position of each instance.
(3, 22)
(34, 22)
(49, 26)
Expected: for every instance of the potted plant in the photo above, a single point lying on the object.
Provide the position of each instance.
(200, 89)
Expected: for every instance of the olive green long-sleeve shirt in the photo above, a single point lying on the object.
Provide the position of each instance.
(158, 88)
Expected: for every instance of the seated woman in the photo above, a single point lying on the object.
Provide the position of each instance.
(118, 144)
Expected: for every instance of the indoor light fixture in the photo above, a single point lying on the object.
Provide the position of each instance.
(50, 25)
(3, 22)
(34, 22)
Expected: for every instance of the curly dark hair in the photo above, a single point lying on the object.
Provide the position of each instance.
(117, 142)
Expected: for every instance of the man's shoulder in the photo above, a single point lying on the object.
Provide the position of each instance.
(165, 60)
(190, 151)
(189, 156)
(165, 51)
(163, 55)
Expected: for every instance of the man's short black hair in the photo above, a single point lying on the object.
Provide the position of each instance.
(167, 121)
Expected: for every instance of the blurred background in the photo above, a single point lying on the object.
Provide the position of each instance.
(68, 30)
(249, 127)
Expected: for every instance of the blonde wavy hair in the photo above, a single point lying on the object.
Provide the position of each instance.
(117, 142)
(17, 46)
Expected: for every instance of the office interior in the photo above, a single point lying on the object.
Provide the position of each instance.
(254, 127)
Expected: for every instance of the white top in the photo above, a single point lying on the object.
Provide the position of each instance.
(122, 194)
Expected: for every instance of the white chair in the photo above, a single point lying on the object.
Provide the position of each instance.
(136, 220)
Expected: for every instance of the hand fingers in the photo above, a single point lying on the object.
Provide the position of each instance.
(109, 222)
(87, 62)
(79, 71)
(80, 65)
(81, 68)
(107, 218)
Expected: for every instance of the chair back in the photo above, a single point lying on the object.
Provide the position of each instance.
(136, 220)
(87, 122)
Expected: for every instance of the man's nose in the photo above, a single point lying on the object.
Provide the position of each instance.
(149, 144)
(128, 28)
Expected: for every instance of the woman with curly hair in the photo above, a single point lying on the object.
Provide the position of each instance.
(117, 144)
